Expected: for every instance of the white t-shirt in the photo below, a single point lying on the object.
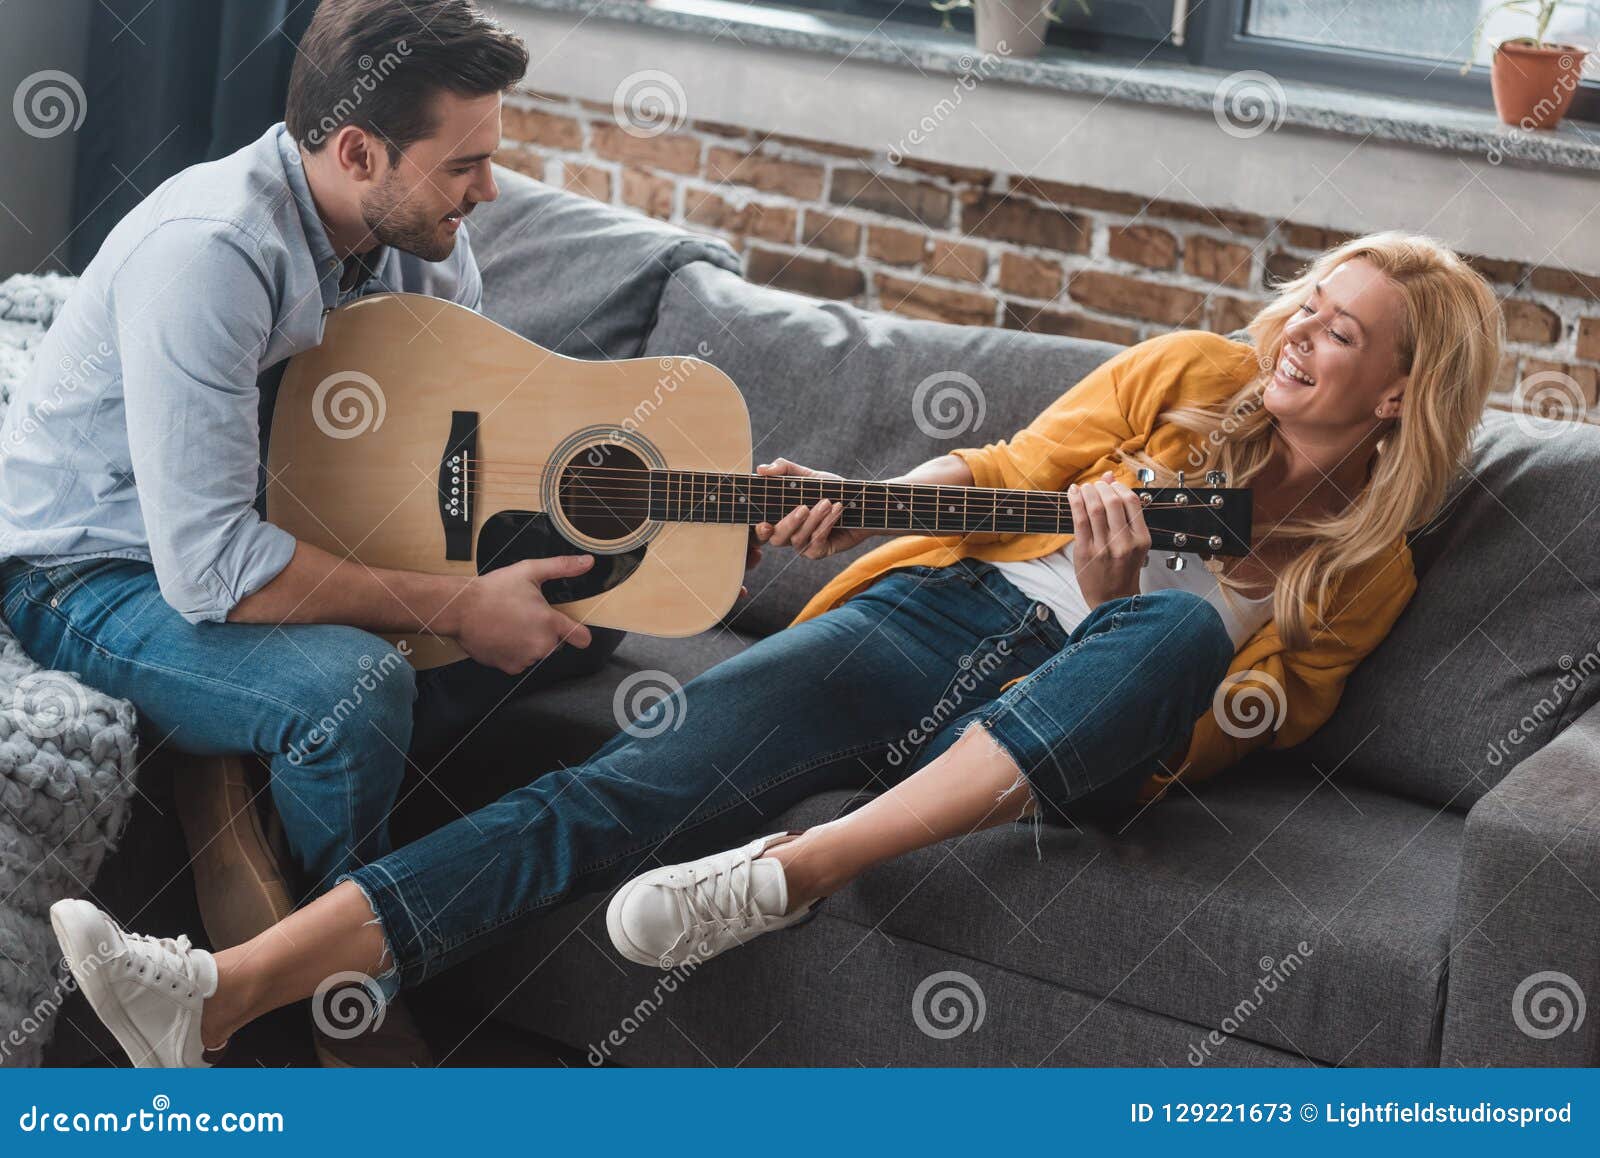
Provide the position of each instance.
(1053, 581)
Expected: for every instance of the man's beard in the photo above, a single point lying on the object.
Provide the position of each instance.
(399, 226)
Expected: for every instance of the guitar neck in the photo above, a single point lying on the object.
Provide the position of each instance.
(919, 508)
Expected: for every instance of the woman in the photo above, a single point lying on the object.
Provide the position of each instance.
(978, 681)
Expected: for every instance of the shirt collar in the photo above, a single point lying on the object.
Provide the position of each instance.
(329, 267)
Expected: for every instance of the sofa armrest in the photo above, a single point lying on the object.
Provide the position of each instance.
(1525, 957)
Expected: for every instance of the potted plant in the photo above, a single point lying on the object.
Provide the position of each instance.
(1533, 80)
(1008, 27)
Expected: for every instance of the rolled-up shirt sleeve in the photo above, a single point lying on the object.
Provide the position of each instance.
(193, 314)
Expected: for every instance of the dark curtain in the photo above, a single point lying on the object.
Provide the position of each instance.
(173, 83)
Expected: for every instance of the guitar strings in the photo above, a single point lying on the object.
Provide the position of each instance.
(1045, 501)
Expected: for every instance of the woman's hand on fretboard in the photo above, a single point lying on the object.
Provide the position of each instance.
(810, 530)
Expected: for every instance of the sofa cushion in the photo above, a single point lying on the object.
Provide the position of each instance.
(1271, 907)
(863, 394)
(1500, 647)
(577, 277)
(825, 996)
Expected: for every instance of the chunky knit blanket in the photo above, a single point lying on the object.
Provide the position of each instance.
(66, 763)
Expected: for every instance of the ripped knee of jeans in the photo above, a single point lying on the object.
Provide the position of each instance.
(382, 988)
(1031, 809)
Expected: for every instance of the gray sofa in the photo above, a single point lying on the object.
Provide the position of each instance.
(1419, 884)
(1426, 878)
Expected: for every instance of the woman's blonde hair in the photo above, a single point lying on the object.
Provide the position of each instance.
(1449, 344)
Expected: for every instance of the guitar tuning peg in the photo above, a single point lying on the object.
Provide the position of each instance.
(1216, 478)
(1176, 562)
(1146, 476)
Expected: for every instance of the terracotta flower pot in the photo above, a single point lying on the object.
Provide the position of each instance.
(1020, 25)
(1534, 84)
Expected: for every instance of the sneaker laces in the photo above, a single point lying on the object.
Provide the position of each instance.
(698, 900)
(169, 957)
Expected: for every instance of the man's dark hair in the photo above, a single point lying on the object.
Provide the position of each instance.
(378, 64)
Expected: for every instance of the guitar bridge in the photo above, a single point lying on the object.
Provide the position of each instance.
(457, 485)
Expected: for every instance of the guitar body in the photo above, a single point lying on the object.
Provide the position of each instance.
(370, 435)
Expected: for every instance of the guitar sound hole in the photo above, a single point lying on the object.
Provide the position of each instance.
(605, 493)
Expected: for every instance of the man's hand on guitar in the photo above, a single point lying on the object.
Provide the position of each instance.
(503, 620)
(812, 531)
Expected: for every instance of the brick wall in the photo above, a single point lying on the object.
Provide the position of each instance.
(982, 248)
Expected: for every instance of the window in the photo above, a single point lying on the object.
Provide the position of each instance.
(1409, 48)
(1430, 29)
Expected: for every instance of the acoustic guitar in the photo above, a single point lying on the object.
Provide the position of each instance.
(420, 435)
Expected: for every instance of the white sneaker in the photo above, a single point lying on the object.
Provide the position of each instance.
(147, 991)
(702, 907)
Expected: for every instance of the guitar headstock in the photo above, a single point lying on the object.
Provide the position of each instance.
(1211, 520)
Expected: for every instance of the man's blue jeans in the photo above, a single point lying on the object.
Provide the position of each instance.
(336, 711)
(859, 697)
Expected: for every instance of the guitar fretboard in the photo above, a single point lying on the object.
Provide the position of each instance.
(920, 508)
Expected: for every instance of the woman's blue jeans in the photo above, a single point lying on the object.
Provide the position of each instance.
(860, 697)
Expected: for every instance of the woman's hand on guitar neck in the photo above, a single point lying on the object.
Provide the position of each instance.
(1110, 539)
(503, 621)
(813, 531)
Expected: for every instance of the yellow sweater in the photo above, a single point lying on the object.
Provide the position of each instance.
(1116, 406)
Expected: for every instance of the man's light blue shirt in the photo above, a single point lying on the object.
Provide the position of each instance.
(137, 433)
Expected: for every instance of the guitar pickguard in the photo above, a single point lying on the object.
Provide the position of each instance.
(508, 537)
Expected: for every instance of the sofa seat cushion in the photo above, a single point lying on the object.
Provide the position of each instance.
(1199, 911)
(818, 995)
(578, 277)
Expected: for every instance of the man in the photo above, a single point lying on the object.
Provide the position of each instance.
(131, 460)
